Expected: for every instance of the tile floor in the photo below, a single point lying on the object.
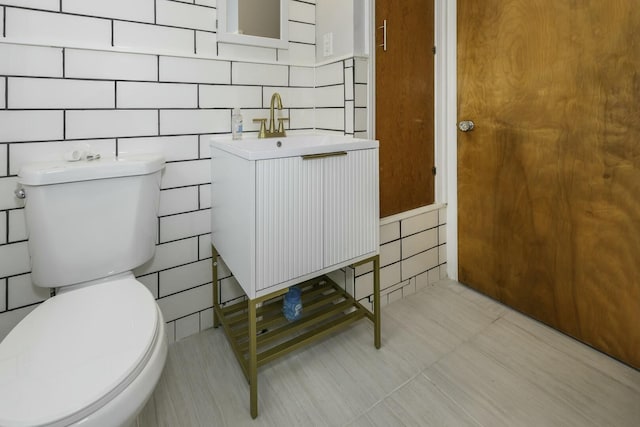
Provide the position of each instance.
(449, 357)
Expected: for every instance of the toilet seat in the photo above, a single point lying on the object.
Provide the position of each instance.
(75, 352)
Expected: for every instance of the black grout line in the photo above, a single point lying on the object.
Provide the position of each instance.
(64, 74)
(158, 277)
(191, 211)
(8, 159)
(302, 43)
(7, 218)
(302, 22)
(6, 293)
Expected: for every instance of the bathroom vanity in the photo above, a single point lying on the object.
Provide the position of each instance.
(285, 212)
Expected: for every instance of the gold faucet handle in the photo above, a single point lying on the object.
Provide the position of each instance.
(281, 121)
(263, 127)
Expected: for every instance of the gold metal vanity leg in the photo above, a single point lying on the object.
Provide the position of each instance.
(253, 359)
(376, 301)
(216, 291)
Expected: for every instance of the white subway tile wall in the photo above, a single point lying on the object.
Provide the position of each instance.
(188, 325)
(133, 76)
(221, 96)
(93, 64)
(128, 10)
(412, 256)
(18, 230)
(156, 95)
(33, 61)
(302, 12)
(82, 124)
(185, 15)
(35, 4)
(17, 126)
(174, 148)
(145, 37)
(193, 70)
(38, 93)
(245, 73)
(57, 28)
(301, 76)
(206, 43)
(241, 51)
(178, 200)
(7, 196)
(181, 278)
(23, 293)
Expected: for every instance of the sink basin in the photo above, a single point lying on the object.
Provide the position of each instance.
(291, 146)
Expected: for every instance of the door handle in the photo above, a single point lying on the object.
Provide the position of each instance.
(466, 125)
(384, 35)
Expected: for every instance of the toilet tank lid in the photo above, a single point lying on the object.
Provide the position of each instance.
(57, 172)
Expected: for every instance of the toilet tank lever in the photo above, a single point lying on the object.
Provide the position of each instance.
(20, 194)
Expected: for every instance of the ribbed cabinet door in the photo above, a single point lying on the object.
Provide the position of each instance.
(351, 206)
(288, 219)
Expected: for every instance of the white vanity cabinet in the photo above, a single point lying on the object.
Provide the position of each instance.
(282, 214)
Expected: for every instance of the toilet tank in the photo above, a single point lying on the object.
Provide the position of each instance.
(89, 220)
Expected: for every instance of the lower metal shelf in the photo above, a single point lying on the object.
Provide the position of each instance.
(326, 308)
(259, 333)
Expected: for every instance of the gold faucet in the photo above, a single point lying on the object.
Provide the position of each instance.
(276, 102)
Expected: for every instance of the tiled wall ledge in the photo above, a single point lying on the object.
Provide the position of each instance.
(237, 53)
(342, 58)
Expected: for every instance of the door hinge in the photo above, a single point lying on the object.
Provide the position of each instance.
(433, 170)
(433, 49)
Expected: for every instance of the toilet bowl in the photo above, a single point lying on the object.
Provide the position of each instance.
(88, 357)
(92, 354)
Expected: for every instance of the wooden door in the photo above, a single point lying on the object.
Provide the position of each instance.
(549, 179)
(404, 104)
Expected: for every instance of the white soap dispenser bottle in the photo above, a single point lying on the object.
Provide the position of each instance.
(236, 124)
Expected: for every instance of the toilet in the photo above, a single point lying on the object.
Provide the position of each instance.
(92, 354)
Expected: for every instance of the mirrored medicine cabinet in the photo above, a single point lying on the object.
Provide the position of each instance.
(254, 22)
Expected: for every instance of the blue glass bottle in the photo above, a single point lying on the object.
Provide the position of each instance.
(292, 304)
